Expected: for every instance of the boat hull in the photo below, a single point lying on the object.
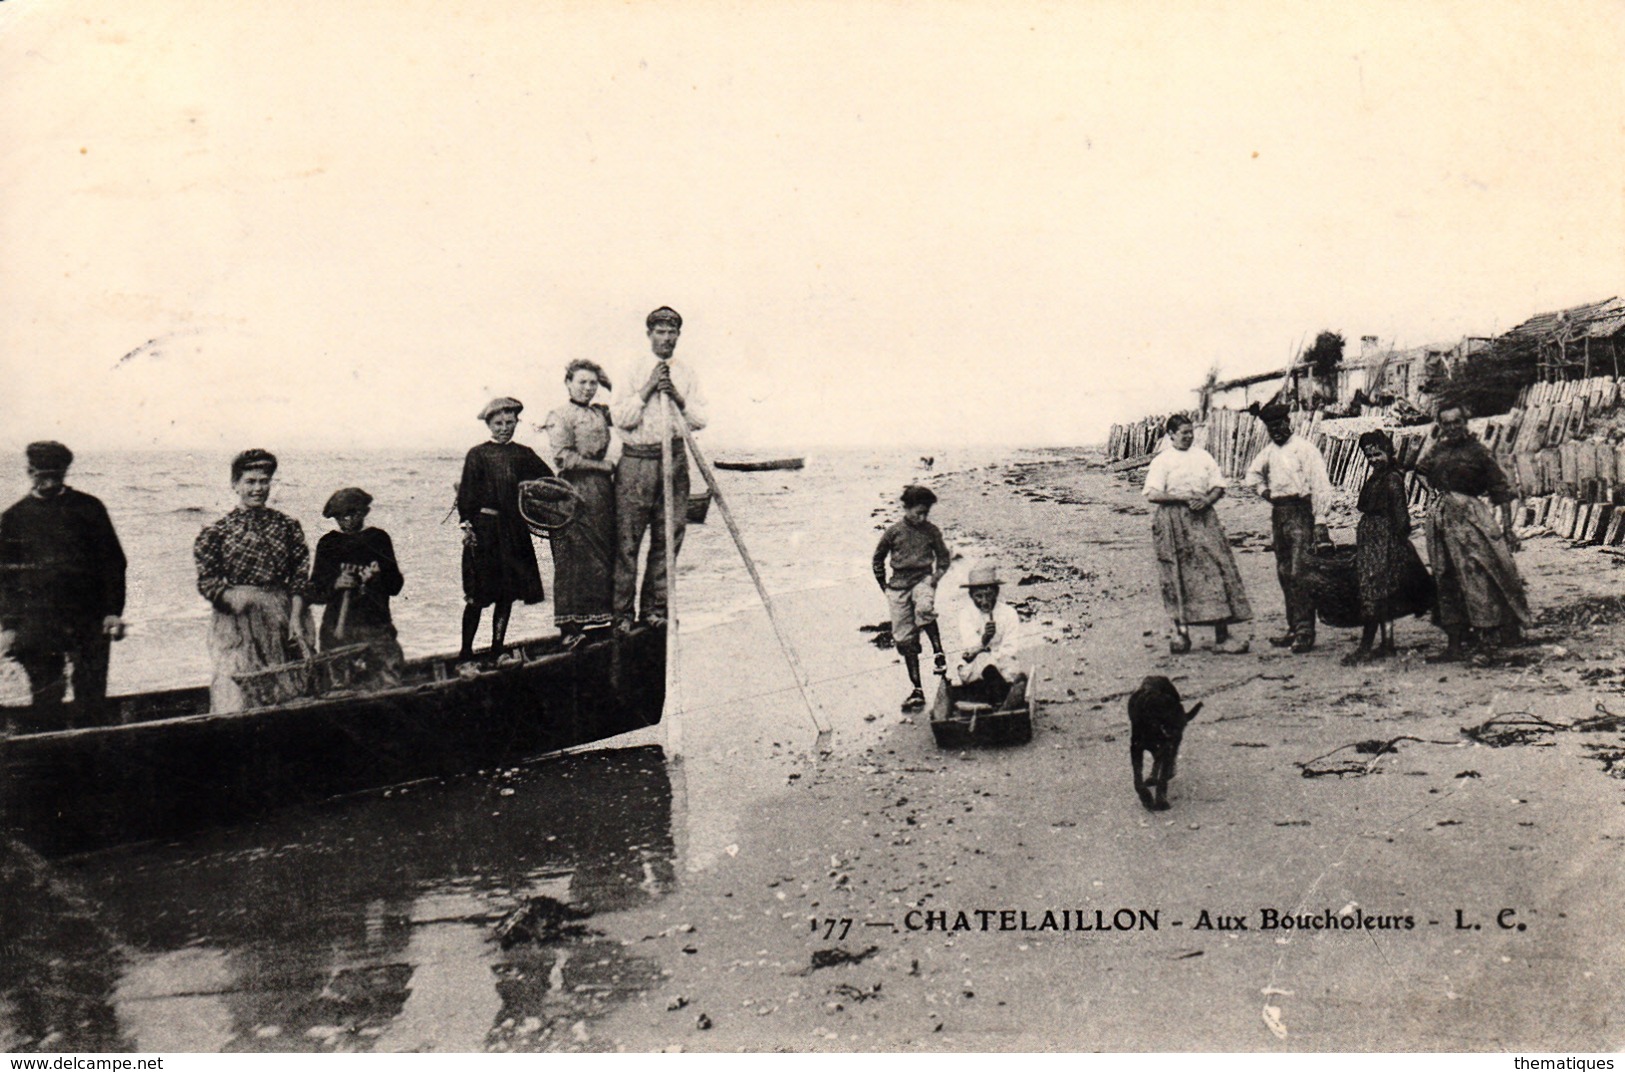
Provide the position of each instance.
(76, 790)
(759, 467)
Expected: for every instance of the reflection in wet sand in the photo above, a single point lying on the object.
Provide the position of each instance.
(366, 924)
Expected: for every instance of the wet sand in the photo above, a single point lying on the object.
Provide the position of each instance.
(368, 924)
(1444, 831)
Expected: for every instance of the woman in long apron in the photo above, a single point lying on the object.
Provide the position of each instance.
(1200, 583)
(584, 550)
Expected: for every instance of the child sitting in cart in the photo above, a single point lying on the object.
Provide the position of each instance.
(991, 635)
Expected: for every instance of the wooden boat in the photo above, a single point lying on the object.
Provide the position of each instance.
(959, 723)
(170, 766)
(742, 466)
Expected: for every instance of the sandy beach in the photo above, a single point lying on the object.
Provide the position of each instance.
(1488, 873)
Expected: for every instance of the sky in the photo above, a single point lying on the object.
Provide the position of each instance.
(310, 224)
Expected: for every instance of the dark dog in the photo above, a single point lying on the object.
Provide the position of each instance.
(1157, 720)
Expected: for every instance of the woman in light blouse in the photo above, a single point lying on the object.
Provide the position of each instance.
(584, 550)
(1200, 583)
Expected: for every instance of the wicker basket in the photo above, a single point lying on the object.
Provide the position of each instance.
(1334, 582)
(331, 671)
(699, 505)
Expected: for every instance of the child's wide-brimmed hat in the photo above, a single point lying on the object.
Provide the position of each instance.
(914, 494)
(983, 577)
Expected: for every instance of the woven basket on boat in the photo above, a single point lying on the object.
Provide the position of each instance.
(547, 505)
(331, 671)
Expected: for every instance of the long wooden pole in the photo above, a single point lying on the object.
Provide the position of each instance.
(672, 718)
(750, 565)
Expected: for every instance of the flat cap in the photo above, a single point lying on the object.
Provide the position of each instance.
(48, 456)
(501, 405)
(344, 500)
(915, 494)
(663, 315)
(1273, 412)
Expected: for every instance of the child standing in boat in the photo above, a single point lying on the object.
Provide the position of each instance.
(355, 575)
(919, 558)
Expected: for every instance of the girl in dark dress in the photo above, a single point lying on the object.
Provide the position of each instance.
(584, 550)
(499, 561)
(355, 575)
(1393, 582)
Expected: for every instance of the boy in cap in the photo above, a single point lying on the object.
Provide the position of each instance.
(355, 575)
(991, 634)
(919, 558)
(61, 590)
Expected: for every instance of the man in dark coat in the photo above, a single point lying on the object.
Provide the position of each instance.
(61, 590)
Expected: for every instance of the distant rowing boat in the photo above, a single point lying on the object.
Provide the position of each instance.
(171, 766)
(761, 466)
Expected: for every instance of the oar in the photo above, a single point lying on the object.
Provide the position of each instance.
(750, 565)
(672, 718)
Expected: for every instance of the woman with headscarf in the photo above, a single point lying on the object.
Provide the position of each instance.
(252, 566)
(1479, 587)
(499, 561)
(583, 550)
(1200, 583)
(1392, 580)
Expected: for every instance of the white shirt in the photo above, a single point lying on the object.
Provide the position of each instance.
(1182, 474)
(1006, 637)
(1294, 469)
(638, 421)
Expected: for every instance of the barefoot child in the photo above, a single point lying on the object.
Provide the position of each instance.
(919, 558)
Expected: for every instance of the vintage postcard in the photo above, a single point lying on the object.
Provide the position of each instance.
(817, 525)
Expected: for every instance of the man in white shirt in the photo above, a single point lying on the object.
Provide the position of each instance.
(991, 634)
(639, 503)
(1290, 475)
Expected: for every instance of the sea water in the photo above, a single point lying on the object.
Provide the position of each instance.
(805, 529)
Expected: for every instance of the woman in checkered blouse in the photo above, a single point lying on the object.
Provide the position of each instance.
(253, 566)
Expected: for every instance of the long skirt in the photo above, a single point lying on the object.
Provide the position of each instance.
(584, 555)
(1393, 581)
(243, 643)
(1477, 580)
(501, 566)
(1200, 583)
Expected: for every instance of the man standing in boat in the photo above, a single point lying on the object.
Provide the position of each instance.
(639, 501)
(61, 590)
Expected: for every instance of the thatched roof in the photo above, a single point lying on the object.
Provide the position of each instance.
(1596, 320)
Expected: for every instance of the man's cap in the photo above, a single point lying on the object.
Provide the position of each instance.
(1274, 412)
(253, 458)
(501, 405)
(914, 494)
(663, 315)
(982, 577)
(48, 456)
(345, 500)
